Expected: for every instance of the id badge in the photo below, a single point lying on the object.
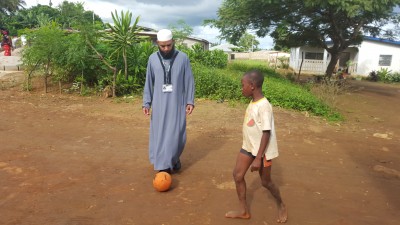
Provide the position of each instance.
(167, 88)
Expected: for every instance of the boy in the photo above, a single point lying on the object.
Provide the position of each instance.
(259, 146)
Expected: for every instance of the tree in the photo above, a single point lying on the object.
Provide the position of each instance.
(306, 22)
(248, 42)
(32, 17)
(122, 34)
(38, 15)
(7, 9)
(46, 48)
(10, 6)
(73, 14)
(181, 31)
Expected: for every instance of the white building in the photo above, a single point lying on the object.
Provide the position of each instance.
(188, 42)
(227, 48)
(371, 54)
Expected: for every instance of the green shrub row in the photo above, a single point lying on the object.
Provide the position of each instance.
(384, 75)
(74, 58)
(224, 84)
(197, 54)
(288, 95)
(214, 83)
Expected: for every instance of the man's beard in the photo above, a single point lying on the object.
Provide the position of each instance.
(169, 55)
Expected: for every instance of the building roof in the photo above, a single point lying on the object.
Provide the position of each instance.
(154, 35)
(146, 28)
(146, 31)
(388, 41)
(375, 39)
(224, 47)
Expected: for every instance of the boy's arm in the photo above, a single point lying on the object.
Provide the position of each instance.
(257, 162)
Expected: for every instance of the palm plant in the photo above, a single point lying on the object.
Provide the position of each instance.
(43, 19)
(29, 20)
(10, 6)
(138, 56)
(122, 35)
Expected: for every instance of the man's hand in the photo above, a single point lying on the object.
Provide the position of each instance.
(146, 111)
(189, 109)
(255, 166)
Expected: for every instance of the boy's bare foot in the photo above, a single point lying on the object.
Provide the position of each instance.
(282, 214)
(237, 215)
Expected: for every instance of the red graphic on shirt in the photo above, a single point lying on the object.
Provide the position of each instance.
(251, 123)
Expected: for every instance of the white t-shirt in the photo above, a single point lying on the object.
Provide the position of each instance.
(259, 117)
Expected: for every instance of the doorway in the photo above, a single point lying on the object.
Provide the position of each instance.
(343, 59)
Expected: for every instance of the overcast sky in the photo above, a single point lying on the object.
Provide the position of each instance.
(159, 14)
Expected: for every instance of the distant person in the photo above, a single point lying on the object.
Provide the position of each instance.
(14, 42)
(23, 40)
(6, 43)
(259, 146)
(169, 93)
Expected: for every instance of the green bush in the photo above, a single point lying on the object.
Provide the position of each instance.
(225, 84)
(283, 62)
(247, 65)
(196, 54)
(386, 75)
(138, 55)
(395, 77)
(216, 83)
(126, 86)
(288, 95)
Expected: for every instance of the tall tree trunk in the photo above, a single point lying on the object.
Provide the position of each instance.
(126, 64)
(81, 91)
(28, 87)
(301, 65)
(114, 82)
(46, 74)
(331, 66)
(45, 82)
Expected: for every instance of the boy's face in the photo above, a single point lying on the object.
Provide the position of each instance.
(247, 87)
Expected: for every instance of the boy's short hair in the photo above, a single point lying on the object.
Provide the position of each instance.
(256, 77)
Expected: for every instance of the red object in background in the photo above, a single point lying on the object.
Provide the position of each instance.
(6, 43)
(7, 50)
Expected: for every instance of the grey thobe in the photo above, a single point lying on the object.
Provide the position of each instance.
(168, 115)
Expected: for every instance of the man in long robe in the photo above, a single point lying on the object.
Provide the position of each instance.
(169, 92)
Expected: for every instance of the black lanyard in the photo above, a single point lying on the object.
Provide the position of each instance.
(167, 77)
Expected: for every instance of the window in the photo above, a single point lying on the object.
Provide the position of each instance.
(314, 55)
(385, 60)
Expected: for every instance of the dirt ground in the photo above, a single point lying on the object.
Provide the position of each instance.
(73, 160)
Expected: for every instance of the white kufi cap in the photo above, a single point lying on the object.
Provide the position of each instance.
(164, 35)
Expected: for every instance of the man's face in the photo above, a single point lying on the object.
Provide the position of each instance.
(166, 46)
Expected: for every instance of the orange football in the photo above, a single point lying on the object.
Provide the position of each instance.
(162, 181)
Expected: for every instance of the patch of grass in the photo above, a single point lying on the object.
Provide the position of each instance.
(224, 84)
(247, 65)
(288, 95)
(125, 99)
(217, 84)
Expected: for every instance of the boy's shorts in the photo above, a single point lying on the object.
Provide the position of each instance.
(266, 163)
